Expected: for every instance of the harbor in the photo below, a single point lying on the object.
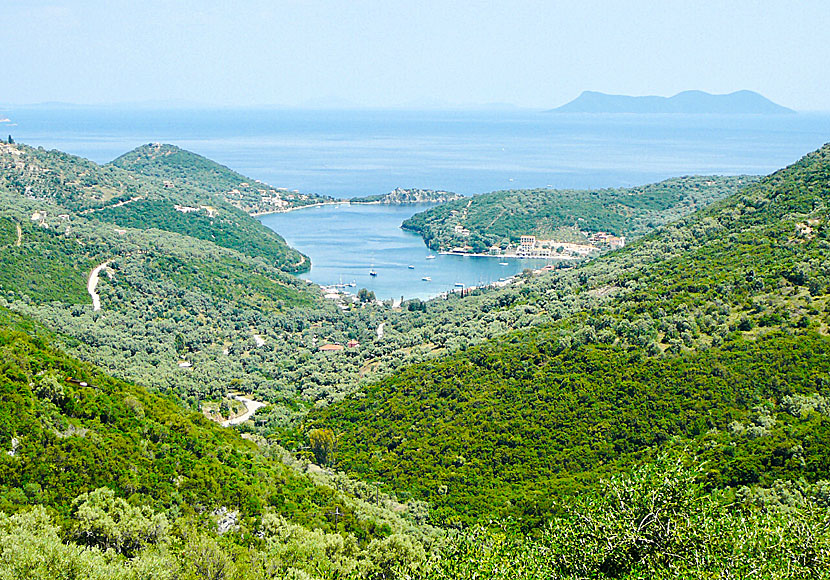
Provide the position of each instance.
(347, 243)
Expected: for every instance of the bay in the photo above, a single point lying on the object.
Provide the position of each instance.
(345, 153)
(346, 241)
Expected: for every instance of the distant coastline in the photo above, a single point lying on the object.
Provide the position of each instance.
(684, 103)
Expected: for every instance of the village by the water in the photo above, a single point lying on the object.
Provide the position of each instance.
(529, 247)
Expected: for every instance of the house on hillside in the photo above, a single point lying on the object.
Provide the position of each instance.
(331, 347)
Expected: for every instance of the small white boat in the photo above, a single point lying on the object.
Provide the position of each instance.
(372, 273)
(504, 263)
(411, 267)
(430, 257)
(426, 279)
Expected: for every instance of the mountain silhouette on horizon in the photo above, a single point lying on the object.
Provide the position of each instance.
(686, 102)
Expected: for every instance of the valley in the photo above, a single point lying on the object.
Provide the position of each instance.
(686, 370)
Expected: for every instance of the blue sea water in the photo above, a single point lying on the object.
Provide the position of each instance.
(349, 153)
(346, 242)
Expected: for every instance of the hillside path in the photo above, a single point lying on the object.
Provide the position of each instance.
(92, 284)
(251, 407)
(19, 236)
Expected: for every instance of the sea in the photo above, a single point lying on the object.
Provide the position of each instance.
(345, 153)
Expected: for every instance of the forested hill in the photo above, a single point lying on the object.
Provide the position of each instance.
(501, 217)
(710, 335)
(177, 166)
(401, 195)
(125, 484)
(101, 479)
(111, 194)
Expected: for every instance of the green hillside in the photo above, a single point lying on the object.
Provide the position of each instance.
(179, 167)
(409, 195)
(121, 469)
(111, 194)
(501, 217)
(164, 297)
(711, 334)
(657, 412)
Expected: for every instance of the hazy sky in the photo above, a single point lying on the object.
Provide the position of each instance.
(416, 53)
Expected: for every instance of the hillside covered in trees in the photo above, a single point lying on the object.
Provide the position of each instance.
(178, 167)
(410, 195)
(657, 412)
(128, 199)
(714, 339)
(500, 218)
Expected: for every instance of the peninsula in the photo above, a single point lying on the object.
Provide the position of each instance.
(495, 223)
(413, 195)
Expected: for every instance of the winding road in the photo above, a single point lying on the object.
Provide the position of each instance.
(251, 407)
(92, 284)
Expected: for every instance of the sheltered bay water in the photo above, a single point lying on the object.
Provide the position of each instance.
(346, 241)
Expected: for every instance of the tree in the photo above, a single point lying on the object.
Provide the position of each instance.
(322, 445)
(107, 521)
(365, 296)
(11, 141)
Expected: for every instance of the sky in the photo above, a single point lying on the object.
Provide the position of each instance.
(419, 53)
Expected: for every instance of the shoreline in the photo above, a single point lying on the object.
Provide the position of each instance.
(503, 256)
(341, 202)
(295, 208)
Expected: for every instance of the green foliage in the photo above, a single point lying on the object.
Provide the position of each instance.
(111, 194)
(496, 428)
(323, 444)
(637, 348)
(653, 523)
(413, 195)
(365, 295)
(106, 521)
(652, 518)
(501, 217)
(107, 433)
(231, 228)
(46, 266)
(179, 167)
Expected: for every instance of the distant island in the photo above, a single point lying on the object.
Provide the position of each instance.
(413, 195)
(687, 102)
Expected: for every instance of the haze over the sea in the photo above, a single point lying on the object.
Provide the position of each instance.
(427, 54)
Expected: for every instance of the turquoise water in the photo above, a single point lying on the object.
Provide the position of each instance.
(346, 241)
